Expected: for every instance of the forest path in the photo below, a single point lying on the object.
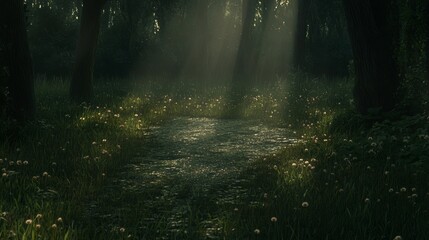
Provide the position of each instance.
(186, 169)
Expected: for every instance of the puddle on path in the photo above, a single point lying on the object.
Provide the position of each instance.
(186, 164)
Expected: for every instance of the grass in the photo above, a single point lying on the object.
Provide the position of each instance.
(341, 181)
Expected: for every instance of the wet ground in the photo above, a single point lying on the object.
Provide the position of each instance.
(186, 169)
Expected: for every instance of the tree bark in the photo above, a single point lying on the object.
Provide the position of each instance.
(245, 55)
(300, 34)
(426, 16)
(21, 104)
(81, 89)
(377, 78)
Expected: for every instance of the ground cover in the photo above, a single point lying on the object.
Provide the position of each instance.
(340, 177)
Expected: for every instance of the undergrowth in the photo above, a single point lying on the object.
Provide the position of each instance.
(343, 179)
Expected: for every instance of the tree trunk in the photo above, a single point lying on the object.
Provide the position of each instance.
(245, 55)
(81, 89)
(377, 78)
(300, 34)
(21, 105)
(426, 16)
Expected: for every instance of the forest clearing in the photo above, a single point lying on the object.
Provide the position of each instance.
(217, 119)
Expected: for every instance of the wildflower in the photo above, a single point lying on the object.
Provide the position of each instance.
(54, 226)
(257, 231)
(25, 162)
(293, 164)
(122, 230)
(39, 216)
(414, 195)
(390, 190)
(403, 189)
(4, 174)
(305, 204)
(45, 174)
(60, 220)
(18, 162)
(367, 200)
(38, 226)
(28, 221)
(397, 238)
(273, 219)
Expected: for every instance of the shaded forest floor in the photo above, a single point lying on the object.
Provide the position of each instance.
(341, 179)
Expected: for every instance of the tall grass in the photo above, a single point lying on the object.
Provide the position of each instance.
(357, 183)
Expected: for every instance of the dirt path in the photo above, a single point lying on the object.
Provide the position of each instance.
(187, 167)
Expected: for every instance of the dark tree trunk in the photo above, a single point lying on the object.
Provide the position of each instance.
(81, 89)
(246, 56)
(199, 53)
(21, 105)
(426, 16)
(300, 33)
(377, 78)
